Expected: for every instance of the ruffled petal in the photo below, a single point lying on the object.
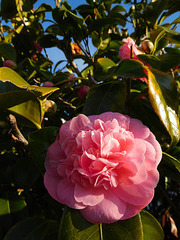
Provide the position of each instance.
(78, 122)
(138, 129)
(136, 195)
(88, 196)
(65, 194)
(111, 209)
(53, 157)
(51, 183)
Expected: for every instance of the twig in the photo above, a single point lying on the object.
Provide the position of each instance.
(15, 132)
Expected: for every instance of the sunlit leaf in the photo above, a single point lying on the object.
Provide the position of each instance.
(10, 206)
(7, 51)
(31, 111)
(161, 105)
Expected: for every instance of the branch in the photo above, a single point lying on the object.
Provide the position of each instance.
(15, 132)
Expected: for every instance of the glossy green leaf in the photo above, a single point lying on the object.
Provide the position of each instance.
(162, 106)
(39, 142)
(31, 111)
(7, 74)
(10, 99)
(7, 51)
(10, 206)
(171, 160)
(151, 227)
(143, 226)
(127, 229)
(129, 68)
(74, 226)
(13, 81)
(102, 67)
(163, 62)
(35, 228)
(107, 97)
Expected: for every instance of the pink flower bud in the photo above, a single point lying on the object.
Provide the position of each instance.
(48, 84)
(83, 91)
(10, 64)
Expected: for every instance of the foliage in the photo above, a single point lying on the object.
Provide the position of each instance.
(95, 29)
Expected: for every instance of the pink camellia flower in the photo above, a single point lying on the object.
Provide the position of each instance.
(125, 53)
(105, 165)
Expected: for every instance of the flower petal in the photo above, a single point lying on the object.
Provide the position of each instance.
(53, 157)
(65, 194)
(78, 122)
(111, 209)
(51, 183)
(88, 195)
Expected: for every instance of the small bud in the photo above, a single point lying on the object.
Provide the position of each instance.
(147, 46)
(47, 84)
(50, 106)
(83, 91)
(10, 64)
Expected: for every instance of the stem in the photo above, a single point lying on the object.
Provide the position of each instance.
(101, 232)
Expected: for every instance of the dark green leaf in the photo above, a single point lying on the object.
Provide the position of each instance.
(39, 142)
(48, 41)
(8, 8)
(7, 51)
(108, 97)
(34, 229)
(130, 68)
(171, 160)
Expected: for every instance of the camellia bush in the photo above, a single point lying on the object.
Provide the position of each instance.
(89, 145)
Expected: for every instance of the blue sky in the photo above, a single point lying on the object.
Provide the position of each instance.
(56, 55)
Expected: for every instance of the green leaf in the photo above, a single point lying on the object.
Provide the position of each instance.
(39, 142)
(7, 51)
(127, 229)
(7, 74)
(10, 206)
(31, 111)
(151, 227)
(102, 67)
(162, 106)
(74, 226)
(163, 62)
(8, 8)
(129, 68)
(143, 226)
(107, 97)
(12, 81)
(171, 160)
(34, 229)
